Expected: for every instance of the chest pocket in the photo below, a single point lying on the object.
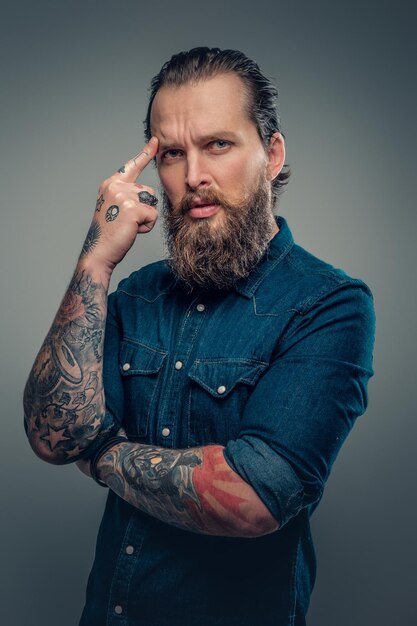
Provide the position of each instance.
(219, 390)
(140, 367)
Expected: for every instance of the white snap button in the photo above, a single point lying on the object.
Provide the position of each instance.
(118, 609)
(178, 365)
(130, 549)
(200, 307)
(221, 389)
(166, 432)
(126, 367)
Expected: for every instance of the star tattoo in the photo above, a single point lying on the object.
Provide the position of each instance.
(99, 203)
(55, 436)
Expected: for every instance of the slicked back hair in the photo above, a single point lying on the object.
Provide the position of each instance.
(203, 63)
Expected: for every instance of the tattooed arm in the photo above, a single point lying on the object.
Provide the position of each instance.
(64, 400)
(193, 489)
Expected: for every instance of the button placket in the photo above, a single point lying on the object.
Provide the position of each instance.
(123, 573)
(166, 428)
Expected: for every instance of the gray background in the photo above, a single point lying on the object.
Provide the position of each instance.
(74, 83)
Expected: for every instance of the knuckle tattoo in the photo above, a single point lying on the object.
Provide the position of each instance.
(147, 198)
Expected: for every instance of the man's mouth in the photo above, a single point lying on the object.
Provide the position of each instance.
(199, 208)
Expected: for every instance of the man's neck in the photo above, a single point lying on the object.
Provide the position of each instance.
(274, 231)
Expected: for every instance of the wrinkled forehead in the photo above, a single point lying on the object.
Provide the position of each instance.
(221, 99)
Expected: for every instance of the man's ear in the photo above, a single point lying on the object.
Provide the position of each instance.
(276, 155)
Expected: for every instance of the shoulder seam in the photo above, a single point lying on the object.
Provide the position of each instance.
(305, 306)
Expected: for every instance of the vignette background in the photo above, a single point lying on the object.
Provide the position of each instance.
(74, 79)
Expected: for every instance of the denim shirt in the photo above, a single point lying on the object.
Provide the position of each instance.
(275, 370)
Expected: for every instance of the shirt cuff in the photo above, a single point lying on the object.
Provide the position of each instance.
(269, 474)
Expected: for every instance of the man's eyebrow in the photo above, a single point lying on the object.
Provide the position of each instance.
(221, 134)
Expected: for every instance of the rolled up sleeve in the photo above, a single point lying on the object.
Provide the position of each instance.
(307, 401)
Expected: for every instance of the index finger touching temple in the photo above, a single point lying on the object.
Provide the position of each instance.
(131, 170)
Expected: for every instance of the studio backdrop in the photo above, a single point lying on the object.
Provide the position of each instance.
(74, 82)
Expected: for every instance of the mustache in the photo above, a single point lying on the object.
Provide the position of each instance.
(206, 196)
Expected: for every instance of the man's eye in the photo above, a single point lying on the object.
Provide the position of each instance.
(171, 154)
(220, 144)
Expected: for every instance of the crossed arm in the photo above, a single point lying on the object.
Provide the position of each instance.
(193, 489)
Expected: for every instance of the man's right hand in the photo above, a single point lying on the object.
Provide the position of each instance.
(120, 215)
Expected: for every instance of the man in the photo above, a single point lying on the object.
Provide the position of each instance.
(233, 372)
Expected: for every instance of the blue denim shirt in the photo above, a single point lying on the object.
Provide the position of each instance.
(275, 370)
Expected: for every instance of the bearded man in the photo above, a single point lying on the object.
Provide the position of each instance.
(233, 370)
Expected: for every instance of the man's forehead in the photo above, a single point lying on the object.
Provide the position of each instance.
(217, 104)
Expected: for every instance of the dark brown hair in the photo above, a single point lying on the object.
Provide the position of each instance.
(202, 63)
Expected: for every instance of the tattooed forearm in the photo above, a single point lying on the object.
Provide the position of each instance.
(193, 489)
(63, 398)
(92, 238)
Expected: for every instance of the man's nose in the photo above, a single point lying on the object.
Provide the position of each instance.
(197, 174)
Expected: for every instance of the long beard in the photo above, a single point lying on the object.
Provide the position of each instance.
(207, 256)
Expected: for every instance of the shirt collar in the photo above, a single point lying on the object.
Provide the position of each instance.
(277, 249)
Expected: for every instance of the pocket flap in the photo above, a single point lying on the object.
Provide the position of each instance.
(220, 376)
(138, 358)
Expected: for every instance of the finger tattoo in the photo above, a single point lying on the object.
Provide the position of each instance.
(147, 198)
(111, 213)
(138, 155)
(121, 170)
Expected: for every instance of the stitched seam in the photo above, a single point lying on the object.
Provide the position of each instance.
(264, 314)
(221, 360)
(144, 345)
(137, 295)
